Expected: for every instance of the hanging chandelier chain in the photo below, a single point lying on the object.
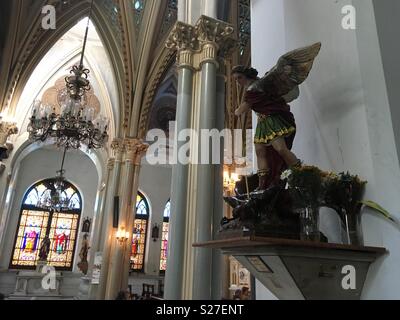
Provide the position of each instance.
(63, 160)
(86, 35)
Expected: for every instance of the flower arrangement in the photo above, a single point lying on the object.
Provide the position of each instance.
(343, 192)
(306, 184)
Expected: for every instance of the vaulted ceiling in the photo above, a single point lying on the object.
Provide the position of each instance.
(132, 32)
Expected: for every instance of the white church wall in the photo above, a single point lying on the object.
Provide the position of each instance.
(343, 115)
(388, 26)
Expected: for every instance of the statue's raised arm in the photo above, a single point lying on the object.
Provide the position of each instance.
(291, 70)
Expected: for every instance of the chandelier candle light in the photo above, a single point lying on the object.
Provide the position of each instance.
(76, 123)
(57, 200)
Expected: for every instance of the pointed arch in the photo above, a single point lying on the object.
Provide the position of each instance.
(38, 41)
(159, 69)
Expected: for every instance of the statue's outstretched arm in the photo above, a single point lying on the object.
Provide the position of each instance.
(244, 107)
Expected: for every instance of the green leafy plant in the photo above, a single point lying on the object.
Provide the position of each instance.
(373, 205)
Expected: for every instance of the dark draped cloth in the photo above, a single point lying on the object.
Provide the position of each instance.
(267, 105)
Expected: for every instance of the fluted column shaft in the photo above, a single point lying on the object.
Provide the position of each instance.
(107, 229)
(189, 273)
(179, 187)
(118, 274)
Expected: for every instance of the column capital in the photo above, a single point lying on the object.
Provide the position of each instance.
(182, 37)
(6, 129)
(141, 150)
(214, 37)
(131, 148)
(118, 147)
(135, 150)
(207, 39)
(213, 31)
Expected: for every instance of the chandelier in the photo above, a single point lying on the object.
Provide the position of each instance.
(55, 198)
(75, 123)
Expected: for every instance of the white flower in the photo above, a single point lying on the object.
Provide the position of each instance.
(286, 174)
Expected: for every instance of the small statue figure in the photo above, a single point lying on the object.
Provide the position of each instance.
(83, 254)
(6, 129)
(269, 98)
(86, 225)
(44, 249)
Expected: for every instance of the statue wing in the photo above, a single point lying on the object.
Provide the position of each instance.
(291, 70)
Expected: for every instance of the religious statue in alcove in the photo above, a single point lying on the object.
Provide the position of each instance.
(269, 98)
(44, 249)
(83, 254)
(86, 225)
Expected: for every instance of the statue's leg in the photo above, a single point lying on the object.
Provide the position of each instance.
(290, 158)
(263, 168)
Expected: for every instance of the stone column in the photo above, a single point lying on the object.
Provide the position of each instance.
(212, 36)
(192, 214)
(107, 229)
(97, 228)
(180, 39)
(137, 149)
(118, 273)
(219, 269)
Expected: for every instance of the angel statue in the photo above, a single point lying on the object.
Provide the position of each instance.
(269, 98)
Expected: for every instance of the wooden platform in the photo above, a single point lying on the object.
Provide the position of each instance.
(243, 243)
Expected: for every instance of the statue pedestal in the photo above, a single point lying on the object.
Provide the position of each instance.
(35, 284)
(84, 287)
(297, 270)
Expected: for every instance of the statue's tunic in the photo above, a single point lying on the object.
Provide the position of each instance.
(274, 120)
(274, 117)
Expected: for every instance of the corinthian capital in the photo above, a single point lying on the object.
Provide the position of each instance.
(135, 150)
(6, 129)
(118, 147)
(201, 43)
(141, 150)
(182, 37)
(213, 31)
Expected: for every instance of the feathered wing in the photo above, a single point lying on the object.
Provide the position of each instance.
(291, 70)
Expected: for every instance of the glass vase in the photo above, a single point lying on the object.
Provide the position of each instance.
(352, 229)
(309, 224)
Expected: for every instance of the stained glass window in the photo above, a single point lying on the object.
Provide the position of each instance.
(36, 222)
(138, 8)
(164, 238)
(139, 233)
